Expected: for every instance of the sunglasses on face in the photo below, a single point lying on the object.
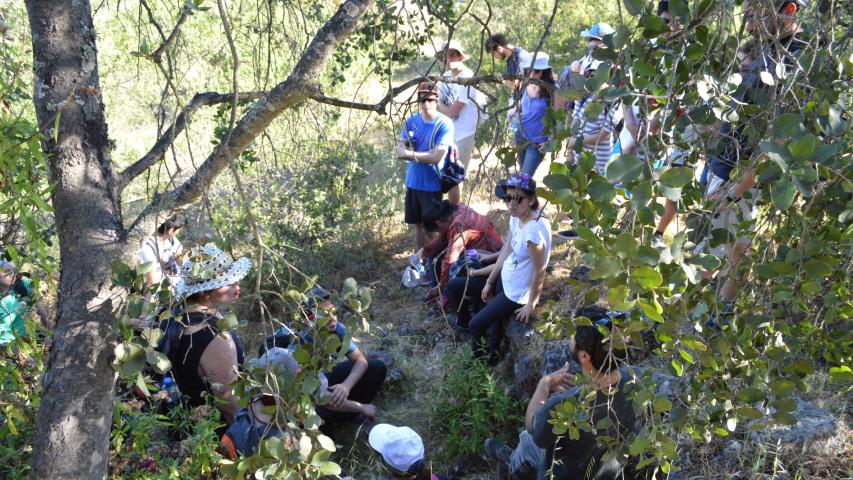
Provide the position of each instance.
(426, 99)
(514, 199)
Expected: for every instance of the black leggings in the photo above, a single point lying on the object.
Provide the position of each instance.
(363, 392)
(491, 319)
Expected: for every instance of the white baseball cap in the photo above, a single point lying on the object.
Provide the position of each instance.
(400, 447)
(541, 62)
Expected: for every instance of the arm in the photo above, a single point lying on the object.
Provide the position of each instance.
(340, 391)
(218, 364)
(552, 383)
(537, 257)
(433, 156)
(747, 182)
(486, 295)
(455, 249)
(453, 110)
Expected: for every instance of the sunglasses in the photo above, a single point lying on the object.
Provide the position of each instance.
(514, 199)
(427, 99)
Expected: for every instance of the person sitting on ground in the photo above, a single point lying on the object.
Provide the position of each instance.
(164, 250)
(519, 272)
(426, 139)
(354, 382)
(204, 359)
(463, 104)
(540, 451)
(15, 294)
(531, 136)
(501, 49)
(257, 422)
(460, 228)
(402, 452)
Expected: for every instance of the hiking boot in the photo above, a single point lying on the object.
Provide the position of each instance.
(570, 234)
(498, 452)
(453, 321)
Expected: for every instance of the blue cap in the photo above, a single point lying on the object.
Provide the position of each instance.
(167, 381)
(598, 31)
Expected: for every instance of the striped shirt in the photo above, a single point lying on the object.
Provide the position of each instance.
(586, 127)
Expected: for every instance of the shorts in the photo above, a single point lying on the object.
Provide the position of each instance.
(419, 202)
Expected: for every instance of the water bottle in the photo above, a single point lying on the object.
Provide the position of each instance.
(417, 265)
(472, 254)
(173, 395)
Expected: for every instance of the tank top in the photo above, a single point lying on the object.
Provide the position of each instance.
(186, 359)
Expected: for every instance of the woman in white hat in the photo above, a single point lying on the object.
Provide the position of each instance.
(204, 359)
(531, 135)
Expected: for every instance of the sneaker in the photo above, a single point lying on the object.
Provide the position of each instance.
(498, 452)
(569, 234)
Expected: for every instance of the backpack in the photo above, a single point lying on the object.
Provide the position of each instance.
(450, 172)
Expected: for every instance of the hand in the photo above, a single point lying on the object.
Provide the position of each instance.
(340, 392)
(420, 255)
(402, 152)
(477, 272)
(541, 147)
(560, 380)
(369, 411)
(523, 314)
(487, 292)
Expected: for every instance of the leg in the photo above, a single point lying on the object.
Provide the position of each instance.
(336, 376)
(668, 216)
(498, 309)
(465, 147)
(525, 459)
(532, 158)
(454, 195)
(421, 236)
(462, 293)
(369, 384)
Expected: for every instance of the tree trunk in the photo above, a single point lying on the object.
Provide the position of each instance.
(72, 431)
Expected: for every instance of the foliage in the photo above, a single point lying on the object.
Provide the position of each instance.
(793, 306)
(470, 405)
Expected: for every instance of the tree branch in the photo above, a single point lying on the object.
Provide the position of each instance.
(159, 149)
(380, 106)
(296, 88)
(158, 54)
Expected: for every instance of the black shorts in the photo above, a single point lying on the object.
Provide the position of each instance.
(419, 202)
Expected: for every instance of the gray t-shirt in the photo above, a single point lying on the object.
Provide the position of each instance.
(580, 459)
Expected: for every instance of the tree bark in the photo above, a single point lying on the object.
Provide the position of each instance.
(71, 438)
(74, 420)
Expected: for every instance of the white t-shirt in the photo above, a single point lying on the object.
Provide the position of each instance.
(465, 124)
(518, 266)
(163, 253)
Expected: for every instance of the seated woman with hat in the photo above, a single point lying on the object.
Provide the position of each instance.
(204, 359)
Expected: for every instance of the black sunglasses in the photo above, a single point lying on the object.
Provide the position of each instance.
(426, 99)
(513, 198)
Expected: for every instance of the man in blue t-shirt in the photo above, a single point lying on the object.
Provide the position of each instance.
(424, 142)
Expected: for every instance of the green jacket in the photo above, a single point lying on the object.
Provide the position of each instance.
(13, 311)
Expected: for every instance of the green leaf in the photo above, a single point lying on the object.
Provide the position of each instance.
(626, 246)
(159, 361)
(803, 147)
(677, 177)
(143, 387)
(605, 267)
(326, 443)
(817, 269)
(645, 68)
(749, 395)
(782, 387)
(350, 288)
(634, 7)
(749, 412)
(731, 424)
(601, 191)
(651, 312)
(841, 374)
(662, 404)
(647, 277)
(330, 469)
(677, 367)
(56, 126)
(648, 255)
(782, 193)
(624, 168)
(777, 153)
(680, 10)
(788, 125)
(653, 26)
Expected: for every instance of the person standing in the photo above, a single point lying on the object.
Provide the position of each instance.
(15, 294)
(530, 138)
(425, 141)
(461, 103)
(501, 49)
(164, 250)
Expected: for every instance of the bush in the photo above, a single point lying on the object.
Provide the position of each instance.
(471, 405)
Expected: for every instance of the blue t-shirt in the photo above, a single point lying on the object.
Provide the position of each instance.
(532, 113)
(514, 61)
(423, 176)
(284, 338)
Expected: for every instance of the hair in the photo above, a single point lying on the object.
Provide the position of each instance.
(440, 211)
(497, 40)
(420, 470)
(178, 220)
(589, 339)
(663, 6)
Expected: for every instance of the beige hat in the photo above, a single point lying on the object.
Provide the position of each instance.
(452, 45)
(209, 268)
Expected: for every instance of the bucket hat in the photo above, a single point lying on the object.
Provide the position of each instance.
(598, 31)
(452, 45)
(209, 268)
(541, 62)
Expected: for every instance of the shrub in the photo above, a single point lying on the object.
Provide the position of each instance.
(471, 405)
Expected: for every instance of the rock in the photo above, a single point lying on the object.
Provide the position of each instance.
(556, 355)
(665, 384)
(394, 375)
(382, 356)
(730, 453)
(817, 432)
(524, 346)
(581, 273)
